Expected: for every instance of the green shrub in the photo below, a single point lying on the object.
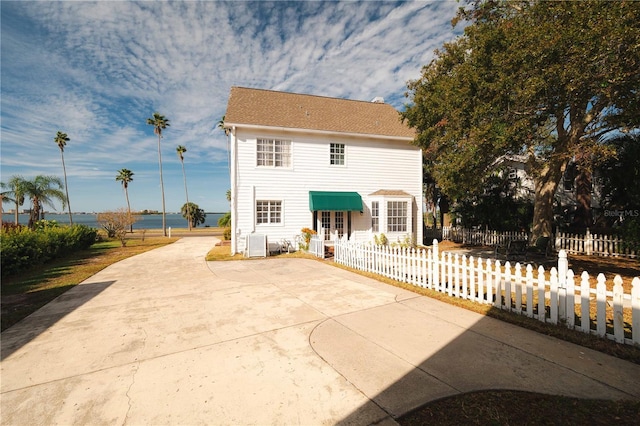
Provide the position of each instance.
(20, 248)
(43, 224)
(380, 240)
(226, 234)
(23, 248)
(630, 234)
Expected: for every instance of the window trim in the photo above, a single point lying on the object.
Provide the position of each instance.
(336, 155)
(271, 142)
(270, 211)
(375, 218)
(390, 217)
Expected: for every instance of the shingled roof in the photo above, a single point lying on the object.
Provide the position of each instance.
(270, 108)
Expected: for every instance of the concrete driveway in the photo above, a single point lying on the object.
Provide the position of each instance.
(167, 338)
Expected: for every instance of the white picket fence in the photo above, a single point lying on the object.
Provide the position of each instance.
(479, 237)
(316, 246)
(514, 288)
(593, 244)
(587, 243)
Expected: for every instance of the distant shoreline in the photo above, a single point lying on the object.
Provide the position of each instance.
(143, 221)
(177, 232)
(94, 213)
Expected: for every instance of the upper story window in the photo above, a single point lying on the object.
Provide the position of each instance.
(397, 216)
(569, 177)
(568, 182)
(273, 153)
(336, 154)
(268, 211)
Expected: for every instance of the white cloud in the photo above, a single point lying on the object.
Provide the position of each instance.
(97, 70)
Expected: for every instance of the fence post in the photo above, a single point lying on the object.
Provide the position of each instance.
(472, 278)
(588, 243)
(529, 298)
(618, 321)
(479, 286)
(518, 287)
(563, 268)
(465, 277)
(443, 272)
(456, 273)
(585, 300)
(489, 282)
(553, 290)
(436, 266)
(542, 310)
(571, 300)
(601, 301)
(449, 275)
(429, 268)
(635, 311)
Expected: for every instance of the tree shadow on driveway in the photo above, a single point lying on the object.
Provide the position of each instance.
(37, 323)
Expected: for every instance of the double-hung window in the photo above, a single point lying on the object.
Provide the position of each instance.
(375, 216)
(268, 212)
(273, 153)
(397, 216)
(336, 154)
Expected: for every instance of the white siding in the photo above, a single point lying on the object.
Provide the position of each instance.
(370, 165)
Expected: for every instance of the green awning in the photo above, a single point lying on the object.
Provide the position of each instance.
(335, 201)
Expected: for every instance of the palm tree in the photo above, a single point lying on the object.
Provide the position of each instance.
(126, 176)
(194, 212)
(15, 194)
(220, 125)
(160, 122)
(226, 131)
(61, 140)
(41, 191)
(225, 220)
(181, 150)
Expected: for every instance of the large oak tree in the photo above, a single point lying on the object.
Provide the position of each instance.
(550, 80)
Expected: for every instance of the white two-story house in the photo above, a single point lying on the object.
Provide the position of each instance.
(337, 166)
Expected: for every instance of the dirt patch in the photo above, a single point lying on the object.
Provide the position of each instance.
(609, 266)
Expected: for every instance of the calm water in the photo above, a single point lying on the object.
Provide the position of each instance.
(151, 221)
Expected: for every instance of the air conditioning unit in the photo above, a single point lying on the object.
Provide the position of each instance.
(256, 245)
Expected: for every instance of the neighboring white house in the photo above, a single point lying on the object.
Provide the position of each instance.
(333, 165)
(565, 194)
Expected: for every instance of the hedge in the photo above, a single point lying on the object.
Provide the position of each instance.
(22, 248)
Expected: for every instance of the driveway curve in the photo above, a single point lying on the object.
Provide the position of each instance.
(168, 338)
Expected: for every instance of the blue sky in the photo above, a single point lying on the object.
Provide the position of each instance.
(98, 70)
